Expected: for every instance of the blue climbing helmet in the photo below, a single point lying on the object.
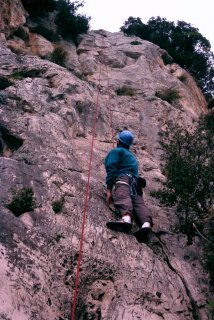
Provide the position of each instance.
(126, 137)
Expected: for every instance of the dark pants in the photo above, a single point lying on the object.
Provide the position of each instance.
(126, 203)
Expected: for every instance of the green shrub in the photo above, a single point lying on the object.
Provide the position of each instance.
(59, 56)
(183, 43)
(21, 33)
(211, 307)
(69, 24)
(12, 141)
(167, 59)
(125, 91)
(209, 251)
(17, 75)
(45, 32)
(81, 135)
(188, 167)
(188, 162)
(22, 201)
(170, 95)
(81, 76)
(39, 8)
(136, 43)
(210, 104)
(209, 121)
(15, 49)
(182, 78)
(58, 237)
(4, 83)
(58, 205)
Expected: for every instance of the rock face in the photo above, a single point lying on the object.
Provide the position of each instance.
(12, 15)
(46, 117)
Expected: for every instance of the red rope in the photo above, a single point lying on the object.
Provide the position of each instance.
(85, 203)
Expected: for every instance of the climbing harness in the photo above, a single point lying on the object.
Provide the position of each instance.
(132, 183)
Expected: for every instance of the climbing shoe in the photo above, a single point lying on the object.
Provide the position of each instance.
(119, 225)
(143, 235)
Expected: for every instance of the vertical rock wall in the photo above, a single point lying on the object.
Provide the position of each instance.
(46, 117)
(12, 15)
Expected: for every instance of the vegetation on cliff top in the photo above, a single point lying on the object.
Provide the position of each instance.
(69, 23)
(186, 45)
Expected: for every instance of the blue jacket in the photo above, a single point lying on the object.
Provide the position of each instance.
(117, 162)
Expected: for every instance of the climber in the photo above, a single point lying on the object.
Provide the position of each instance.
(124, 187)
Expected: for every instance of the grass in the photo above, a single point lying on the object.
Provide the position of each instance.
(19, 75)
(135, 43)
(170, 95)
(4, 83)
(182, 78)
(13, 142)
(210, 103)
(211, 307)
(57, 205)
(15, 50)
(58, 237)
(59, 56)
(167, 59)
(46, 33)
(125, 91)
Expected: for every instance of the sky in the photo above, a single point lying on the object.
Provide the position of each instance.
(111, 14)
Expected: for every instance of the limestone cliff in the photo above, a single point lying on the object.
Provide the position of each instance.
(46, 124)
(12, 16)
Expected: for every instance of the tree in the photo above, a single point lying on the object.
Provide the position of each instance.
(188, 47)
(39, 8)
(188, 162)
(209, 253)
(69, 23)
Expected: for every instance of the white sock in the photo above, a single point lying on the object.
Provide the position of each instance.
(127, 218)
(146, 225)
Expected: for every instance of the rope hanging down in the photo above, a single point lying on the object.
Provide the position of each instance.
(87, 191)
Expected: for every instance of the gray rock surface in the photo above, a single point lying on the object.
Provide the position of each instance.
(51, 111)
(12, 16)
